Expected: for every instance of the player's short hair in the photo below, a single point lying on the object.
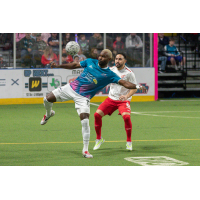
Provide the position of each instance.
(122, 53)
(108, 52)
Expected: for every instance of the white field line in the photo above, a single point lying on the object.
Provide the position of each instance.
(154, 115)
(166, 111)
(179, 100)
(94, 104)
(156, 161)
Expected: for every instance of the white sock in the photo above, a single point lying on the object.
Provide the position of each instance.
(129, 143)
(85, 134)
(48, 106)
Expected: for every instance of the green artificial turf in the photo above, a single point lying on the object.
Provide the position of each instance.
(160, 128)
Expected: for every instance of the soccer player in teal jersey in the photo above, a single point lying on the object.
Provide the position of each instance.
(96, 76)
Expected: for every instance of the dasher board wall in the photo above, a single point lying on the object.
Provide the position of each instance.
(21, 86)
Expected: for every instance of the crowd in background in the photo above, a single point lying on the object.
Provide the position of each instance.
(40, 49)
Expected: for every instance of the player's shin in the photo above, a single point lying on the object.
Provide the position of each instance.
(85, 133)
(98, 125)
(128, 126)
(48, 106)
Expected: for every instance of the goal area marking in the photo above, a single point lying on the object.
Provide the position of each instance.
(156, 161)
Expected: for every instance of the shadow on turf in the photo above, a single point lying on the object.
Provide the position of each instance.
(137, 150)
(170, 149)
(163, 149)
(112, 151)
(104, 152)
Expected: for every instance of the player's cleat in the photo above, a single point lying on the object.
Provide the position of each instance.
(129, 146)
(45, 119)
(98, 143)
(86, 154)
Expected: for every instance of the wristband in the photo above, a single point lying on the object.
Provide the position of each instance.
(138, 86)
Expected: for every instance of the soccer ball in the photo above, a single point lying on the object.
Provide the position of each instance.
(72, 48)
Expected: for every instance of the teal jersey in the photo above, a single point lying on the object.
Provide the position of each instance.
(93, 78)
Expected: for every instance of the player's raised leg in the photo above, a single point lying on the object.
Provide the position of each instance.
(48, 104)
(128, 128)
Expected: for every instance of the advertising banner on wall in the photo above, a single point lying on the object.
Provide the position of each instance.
(37, 83)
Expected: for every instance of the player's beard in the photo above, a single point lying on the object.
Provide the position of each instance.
(102, 63)
(119, 66)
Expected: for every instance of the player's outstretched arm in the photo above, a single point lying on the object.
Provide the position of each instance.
(130, 85)
(72, 65)
(125, 97)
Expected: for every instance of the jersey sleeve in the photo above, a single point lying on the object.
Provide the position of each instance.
(84, 63)
(115, 78)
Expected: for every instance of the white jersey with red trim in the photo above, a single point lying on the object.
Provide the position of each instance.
(117, 90)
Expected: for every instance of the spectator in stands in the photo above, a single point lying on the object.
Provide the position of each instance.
(65, 57)
(19, 36)
(96, 41)
(134, 46)
(84, 45)
(94, 53)
(67, 37)
(3, 64)
(173, 54)
(48, 57)
(38, 49)
(109, 42)
(163, 39)
(45, 37)
(81, 55)
(26, 45)
(53, 42)
(88, 35)
(6, 39)
(118, 45)
(161, 57)
(40, 44)
(133, 41)
(33, 35)
(76, 58)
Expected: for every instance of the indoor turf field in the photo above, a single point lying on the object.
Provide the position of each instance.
(164, 133)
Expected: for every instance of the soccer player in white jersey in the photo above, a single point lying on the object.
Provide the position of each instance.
(119, 98)
(96, 76)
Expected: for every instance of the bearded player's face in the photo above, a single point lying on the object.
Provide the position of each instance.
(120, 61)
(103, 58)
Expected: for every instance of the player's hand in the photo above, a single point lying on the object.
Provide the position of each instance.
(53, 65)
(144, 90)
(123, 98)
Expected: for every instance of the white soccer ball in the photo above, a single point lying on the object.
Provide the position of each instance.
(72, 48)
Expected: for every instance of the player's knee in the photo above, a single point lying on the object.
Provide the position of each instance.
(51, 97)
(85, 124)
(97, 115)
(127, 118)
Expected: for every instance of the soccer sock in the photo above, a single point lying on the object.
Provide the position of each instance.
(48, 106)
(98, 125)
(128, 126)
(85, 134)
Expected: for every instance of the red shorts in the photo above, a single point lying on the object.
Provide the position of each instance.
(109, 106)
